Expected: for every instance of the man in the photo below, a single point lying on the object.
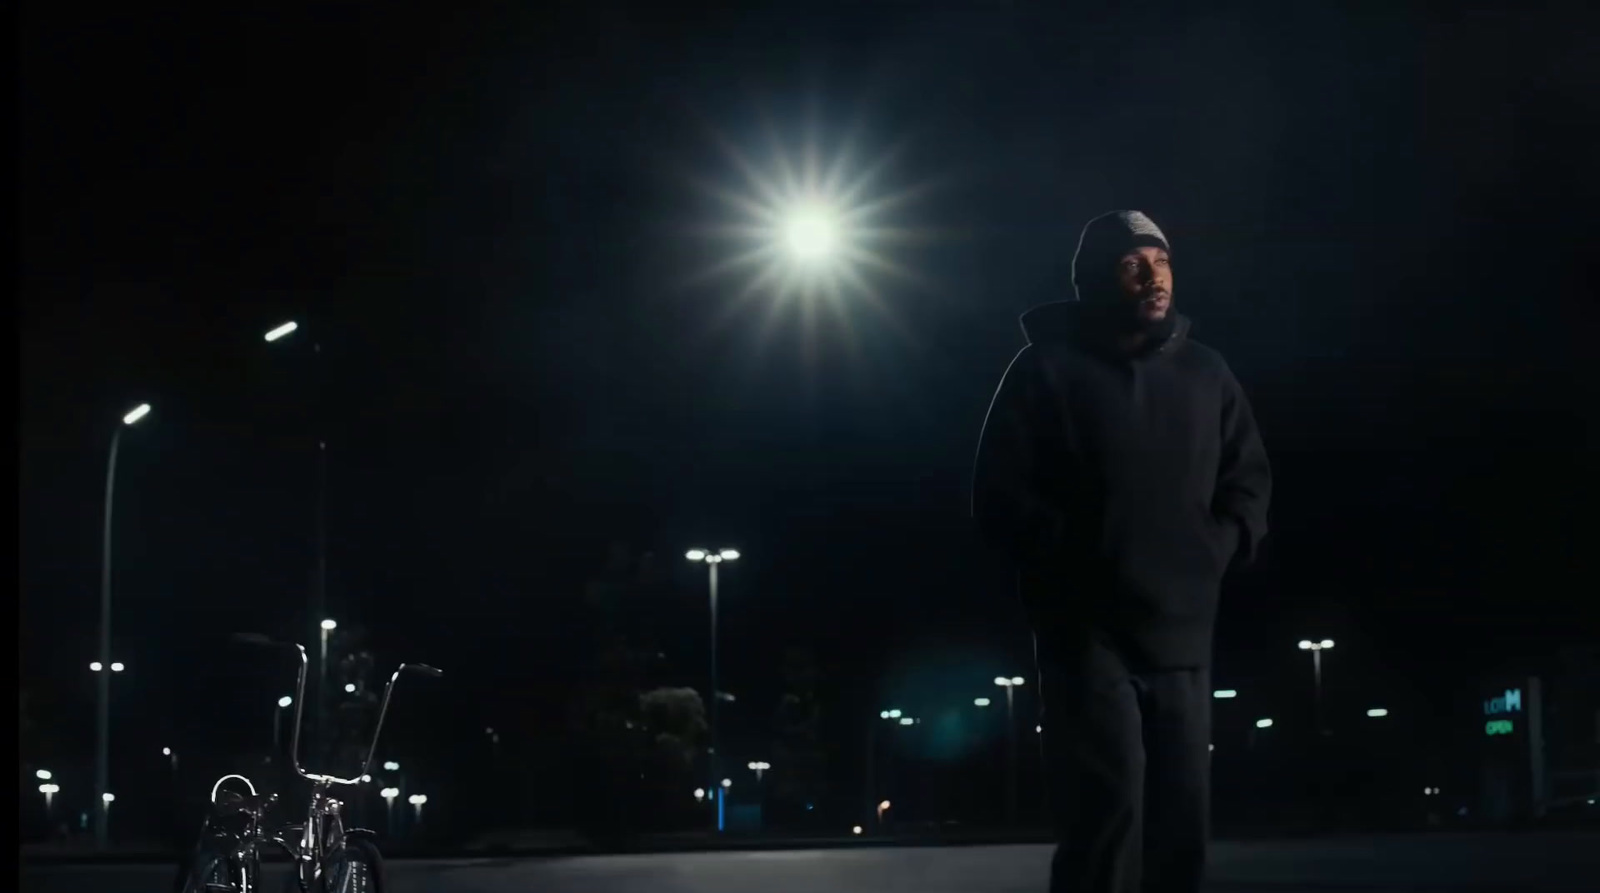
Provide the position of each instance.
(1121, 470)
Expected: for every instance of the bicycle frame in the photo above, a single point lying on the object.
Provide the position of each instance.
(323, 829)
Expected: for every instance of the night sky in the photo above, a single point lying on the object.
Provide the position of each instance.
(490, 222)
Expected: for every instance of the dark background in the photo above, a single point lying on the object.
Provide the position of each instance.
(1381, 214)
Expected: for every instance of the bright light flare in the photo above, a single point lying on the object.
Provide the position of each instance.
(287, 328)
(803, 222)
(137, 413)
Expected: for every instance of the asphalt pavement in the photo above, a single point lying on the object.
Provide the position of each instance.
(1503, 863)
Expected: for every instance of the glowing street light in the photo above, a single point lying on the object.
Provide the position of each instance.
(349, 688)
(882, 808)
(102, 749)
(759, 767)
(277, 722)
(388, 795)
(1224, 693)
(699, 794)
(1377, 712)
(727, 783)
(417, 801)
(1263, 723)
(980, 702)
(855, 829)
(391, 766)
(42, 774)
(1011, 684)
(714, 560)
(1316, 649)
(907, 721)
(284, 330)
(49, 791)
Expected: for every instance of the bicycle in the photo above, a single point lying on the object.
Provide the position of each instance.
(328, 857)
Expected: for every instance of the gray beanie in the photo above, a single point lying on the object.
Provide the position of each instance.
(1107, 238)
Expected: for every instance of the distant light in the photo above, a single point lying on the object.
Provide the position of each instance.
(906, 721)
(166, 751)
(1305, 644)
(727, 782)
(391, 766)
(489, 730)
(883, 806)
(981, 702)
(96, 666)
(883, 714)
(366, 778)
(699, 793)
(1017, 680)
(1263, 723)
(1211, 747)
(894, 714)
(117, 667)
(108, 797)
(1038, 729)
(696, 555)
(137, 413)
(389, 793)
(43, 775)
(330, 624)
(285, 329)
(1327, 643)
(1225, 693)
(417, 799)
(856, 829)
(285, 701)
(349, 687)
(56, 789)
(1001, 680)
(729, 554)
(1377, 711)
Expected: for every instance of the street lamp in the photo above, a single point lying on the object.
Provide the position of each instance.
(388, 795)
(416, 801)
(102, 750)
(49, 790)
(1263, 723)
(1316, 649)
(1377, 712)
(1224, 694)
(42, 774)
(1010, 684)
(391, 766)
(171, 756)
(712, 561)
(759, 767)
(277, 722)
(980, 702)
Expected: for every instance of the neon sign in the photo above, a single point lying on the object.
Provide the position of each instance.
(1510, 702)
(1497, 727)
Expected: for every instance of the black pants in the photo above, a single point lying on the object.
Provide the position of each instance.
(1127, 755)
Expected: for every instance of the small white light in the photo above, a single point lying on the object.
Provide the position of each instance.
(43, 775)
(285, 329)
(883, 806)
(981, 702)
(389, 793)
(166, 751)
(285, 701)
(137, 413)
(391, 766)
(117, 667)
(49, 789)
(1263, 723)
(1377, 711)
(729, 555)
(699, 793)
(96, 666)
(330, 624)
(856, 829)
(696, 555)
(894, 714)
(349, 688)
(906, 721)
(727, 782)
(1225, 693)
(1039, 729)
(1017, 680)
(366, 778)
(108, 797)
(1327, 643)
(1305, 644)
(418, 799)
(1002, 681)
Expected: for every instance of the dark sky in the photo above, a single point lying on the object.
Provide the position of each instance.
(1383, 218)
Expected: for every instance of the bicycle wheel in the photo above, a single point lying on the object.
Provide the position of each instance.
(211, 869)
(355, 867)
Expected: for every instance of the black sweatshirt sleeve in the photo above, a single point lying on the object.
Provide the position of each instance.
(1011, 515)
(1244, 481)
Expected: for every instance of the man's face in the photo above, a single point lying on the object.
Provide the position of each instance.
(1144, 283)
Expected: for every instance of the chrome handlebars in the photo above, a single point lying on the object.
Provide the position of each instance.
(300, 699)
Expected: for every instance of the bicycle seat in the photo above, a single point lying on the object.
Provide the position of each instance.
(235, 802)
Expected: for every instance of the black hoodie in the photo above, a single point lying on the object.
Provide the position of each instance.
(1121, 484)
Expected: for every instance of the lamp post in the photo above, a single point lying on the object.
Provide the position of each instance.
(325, 628)
(1010, 685)
(388, 795)
(277, 724)
(417, 801)
(319, 592)
(713, 560)
(49, 790)
(172, 757)
(102, 750)
(1316, 649)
